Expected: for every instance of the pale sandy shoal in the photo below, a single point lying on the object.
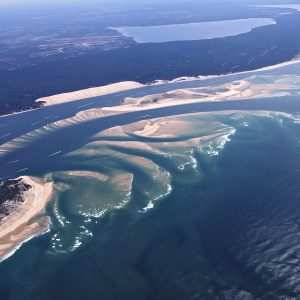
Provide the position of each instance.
(128, 85)
(16, 228)
(118, 87)
(235, 90)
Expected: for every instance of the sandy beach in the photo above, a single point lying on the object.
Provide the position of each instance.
(90, 92)
(17, 227)
(129, 85)
(254, 86)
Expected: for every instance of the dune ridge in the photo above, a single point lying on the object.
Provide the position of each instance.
(90, 92)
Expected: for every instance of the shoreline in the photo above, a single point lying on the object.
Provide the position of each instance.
(129, 85)
(17, 228)
(118, 87)
(91, 93)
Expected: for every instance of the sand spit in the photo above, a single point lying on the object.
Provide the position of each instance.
(128, 85)
(258, 86)
(90, 92)
(17, 227)
(255, 86)
(294, 61)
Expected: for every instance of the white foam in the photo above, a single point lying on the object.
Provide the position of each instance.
(214, 147)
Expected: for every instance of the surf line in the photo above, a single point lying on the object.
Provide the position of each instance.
(55, 153)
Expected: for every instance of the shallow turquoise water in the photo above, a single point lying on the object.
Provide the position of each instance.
(228, 228)
(210, 212)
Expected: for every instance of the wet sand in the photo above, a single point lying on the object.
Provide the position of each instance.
(17, 227)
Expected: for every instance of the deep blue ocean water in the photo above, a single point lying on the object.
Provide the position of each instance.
(224, 220)
(231, 232)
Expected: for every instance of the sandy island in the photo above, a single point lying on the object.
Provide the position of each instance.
(17, 227)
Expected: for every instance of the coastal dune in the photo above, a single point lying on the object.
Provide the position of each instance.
(90, 93)
(129, 85)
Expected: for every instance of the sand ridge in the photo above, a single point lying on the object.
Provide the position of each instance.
(90, 92)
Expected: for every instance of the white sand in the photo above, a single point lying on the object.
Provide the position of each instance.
(128, 85)
(17, 228)
(248, 88)
(90, 92)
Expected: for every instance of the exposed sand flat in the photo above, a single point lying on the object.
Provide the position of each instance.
(192, 128)
(161, 128)
(249, 88)
(123, 182)
(16, 228)
(90, 92)
(128, 85)
(117, 131)
(258, 86)
(149, 129)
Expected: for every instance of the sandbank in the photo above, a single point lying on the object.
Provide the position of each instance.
(17, 227)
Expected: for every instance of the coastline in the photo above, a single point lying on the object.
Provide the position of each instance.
(238, 89)
(128, 85)
(294, 61)
(17, 228)
(90, 93)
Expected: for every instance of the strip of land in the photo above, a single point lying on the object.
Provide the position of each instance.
(129, 85)
(19, 226)
(90, 93)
